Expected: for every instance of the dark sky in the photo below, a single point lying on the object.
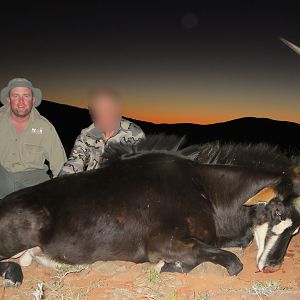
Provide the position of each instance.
(186, 62)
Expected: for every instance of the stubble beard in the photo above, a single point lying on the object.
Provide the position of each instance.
(22, 114)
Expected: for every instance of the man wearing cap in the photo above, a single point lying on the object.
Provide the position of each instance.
(26, 139)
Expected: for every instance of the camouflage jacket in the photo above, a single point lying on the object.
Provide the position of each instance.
(90, 145)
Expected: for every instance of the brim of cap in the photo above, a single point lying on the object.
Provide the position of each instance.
(37, 94)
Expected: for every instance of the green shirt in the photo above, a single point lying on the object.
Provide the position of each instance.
(28, 150)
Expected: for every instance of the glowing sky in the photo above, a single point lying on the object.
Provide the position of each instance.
(171, 63)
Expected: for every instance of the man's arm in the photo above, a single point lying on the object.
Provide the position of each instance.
(56, 154)
(143, 135)
(137, 134)
(77, 160)
(140, 135)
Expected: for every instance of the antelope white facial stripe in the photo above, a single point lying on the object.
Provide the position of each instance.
(260, 233)
(271, 242)
(282, 226)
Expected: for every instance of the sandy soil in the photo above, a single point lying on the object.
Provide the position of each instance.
(124, 280)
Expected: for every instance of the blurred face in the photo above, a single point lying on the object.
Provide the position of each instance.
(21, 101)
(105, 112)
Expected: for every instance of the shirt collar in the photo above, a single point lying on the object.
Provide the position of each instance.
(34, 114)
(100, 134)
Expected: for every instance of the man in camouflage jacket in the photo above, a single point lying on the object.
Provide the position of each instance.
(108, 127)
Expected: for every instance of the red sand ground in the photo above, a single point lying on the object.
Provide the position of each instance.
(124, 280)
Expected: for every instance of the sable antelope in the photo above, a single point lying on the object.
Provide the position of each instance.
(153, 202)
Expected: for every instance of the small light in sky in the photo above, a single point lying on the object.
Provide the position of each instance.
(189, 20)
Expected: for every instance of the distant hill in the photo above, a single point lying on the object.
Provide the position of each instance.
(69, 121)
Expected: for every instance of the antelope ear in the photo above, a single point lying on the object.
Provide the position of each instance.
(296, 179)
(297, 204)
(296, 172)
(263, 196)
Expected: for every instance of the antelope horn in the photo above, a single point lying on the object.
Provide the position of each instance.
(291, 45)
(296, 172)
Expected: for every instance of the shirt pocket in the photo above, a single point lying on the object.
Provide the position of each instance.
(33, 156)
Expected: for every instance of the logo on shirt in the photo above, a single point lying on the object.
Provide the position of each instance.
(37, 130)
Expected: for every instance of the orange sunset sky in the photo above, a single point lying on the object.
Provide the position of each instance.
(202, 101)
